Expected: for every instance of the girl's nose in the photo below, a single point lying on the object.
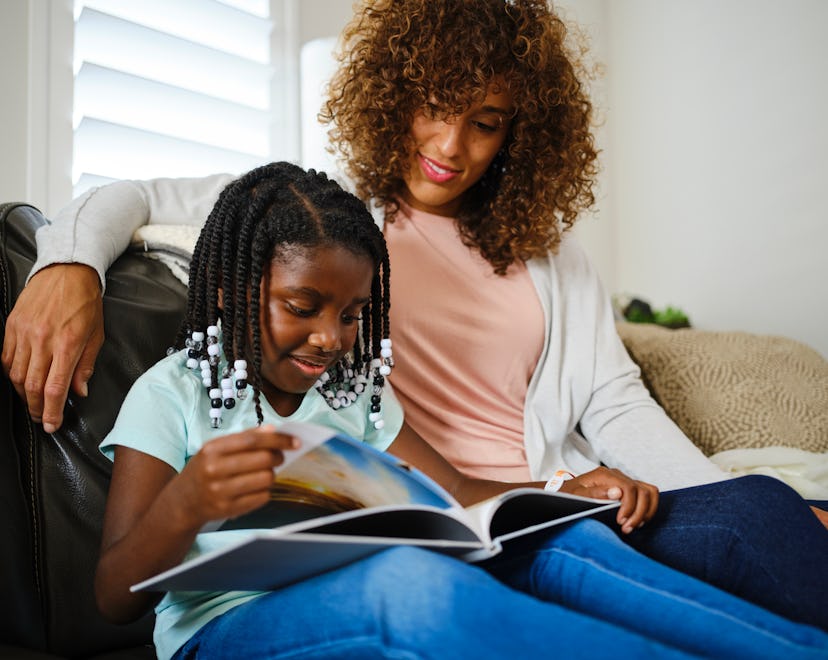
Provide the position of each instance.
(327, 338)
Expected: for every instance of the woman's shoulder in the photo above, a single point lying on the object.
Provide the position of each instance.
(569, 261)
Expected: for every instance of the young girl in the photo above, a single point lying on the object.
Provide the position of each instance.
(287, 319)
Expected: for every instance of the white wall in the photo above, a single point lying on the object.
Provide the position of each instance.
(719, 149)
(36, 120)
(14, 72)
(596, 230)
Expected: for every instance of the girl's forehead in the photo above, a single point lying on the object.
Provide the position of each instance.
(288, 254)
(327, 266)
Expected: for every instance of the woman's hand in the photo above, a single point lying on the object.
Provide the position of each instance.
(639, 500)
(53, 335)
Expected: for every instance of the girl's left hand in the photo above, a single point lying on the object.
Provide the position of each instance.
(639, 500)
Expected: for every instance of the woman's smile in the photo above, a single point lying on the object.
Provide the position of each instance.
(435, 171)
(451, 154)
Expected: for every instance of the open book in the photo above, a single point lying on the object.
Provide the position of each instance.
(336, 500)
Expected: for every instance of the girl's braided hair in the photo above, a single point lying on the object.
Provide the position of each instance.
(260, 217)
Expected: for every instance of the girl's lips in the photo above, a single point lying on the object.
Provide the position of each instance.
(312, 369)
(435, 172)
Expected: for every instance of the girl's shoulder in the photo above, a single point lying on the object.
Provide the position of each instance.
(169, 377)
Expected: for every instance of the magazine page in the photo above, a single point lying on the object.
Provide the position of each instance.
(332, 475)
(525, 510)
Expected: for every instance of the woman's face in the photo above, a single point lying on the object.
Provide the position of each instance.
(450, 155)
(312, 299)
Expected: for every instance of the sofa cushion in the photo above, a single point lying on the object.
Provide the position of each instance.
(729, 390)
(53, 486)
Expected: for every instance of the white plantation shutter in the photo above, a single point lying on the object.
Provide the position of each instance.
(171, 88)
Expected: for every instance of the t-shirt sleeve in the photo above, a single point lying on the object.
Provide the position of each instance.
(155, 416)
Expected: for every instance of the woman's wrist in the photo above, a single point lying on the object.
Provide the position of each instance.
(554, 484)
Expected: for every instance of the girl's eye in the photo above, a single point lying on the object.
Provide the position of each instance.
(348, 319)
(300, 311)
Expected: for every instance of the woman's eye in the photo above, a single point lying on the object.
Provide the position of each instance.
(488, 127)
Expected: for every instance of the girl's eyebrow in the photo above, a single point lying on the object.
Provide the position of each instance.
(310, 291)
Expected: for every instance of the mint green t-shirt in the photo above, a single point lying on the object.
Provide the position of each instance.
(166, 415)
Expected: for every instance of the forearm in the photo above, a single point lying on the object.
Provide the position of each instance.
(93, 229)
(410, 447)
(468, 490)
(96, 228)
(646, 444)
(158, 541)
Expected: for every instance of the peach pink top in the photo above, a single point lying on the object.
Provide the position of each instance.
(465, 388)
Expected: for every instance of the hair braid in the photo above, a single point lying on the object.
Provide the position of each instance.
(256, 219)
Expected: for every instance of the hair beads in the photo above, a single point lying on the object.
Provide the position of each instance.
(259, 218)
(342, 384)
(205, 357)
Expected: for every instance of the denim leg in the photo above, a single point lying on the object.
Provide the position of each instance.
(586, 568)
(410, 603)
(753, 536)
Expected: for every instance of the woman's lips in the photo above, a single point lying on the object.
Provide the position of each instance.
(436, 172)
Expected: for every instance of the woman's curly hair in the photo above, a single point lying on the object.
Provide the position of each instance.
(400, 56)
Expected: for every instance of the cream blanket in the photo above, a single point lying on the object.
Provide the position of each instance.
(804, 471)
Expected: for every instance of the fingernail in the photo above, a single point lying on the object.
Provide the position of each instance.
(49, 427)
(84, 390)
(627, 529)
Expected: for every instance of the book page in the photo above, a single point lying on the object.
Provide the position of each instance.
(525, 510)
(334, 474)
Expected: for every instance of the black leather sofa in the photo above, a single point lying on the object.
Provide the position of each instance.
(53, 486)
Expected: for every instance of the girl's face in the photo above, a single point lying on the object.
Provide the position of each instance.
(312, 299)
(450, 155)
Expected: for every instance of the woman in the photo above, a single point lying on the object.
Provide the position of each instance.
(466, 124)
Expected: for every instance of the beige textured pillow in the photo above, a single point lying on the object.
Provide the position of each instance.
(732, 390)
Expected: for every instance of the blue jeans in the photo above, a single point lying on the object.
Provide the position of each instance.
(577, 591)
(753, 536)
(410, 603)
(586, 568)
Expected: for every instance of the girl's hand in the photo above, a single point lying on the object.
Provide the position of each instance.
(639, 500)
(232, 474)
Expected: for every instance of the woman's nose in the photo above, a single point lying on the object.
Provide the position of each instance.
(450, 137)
